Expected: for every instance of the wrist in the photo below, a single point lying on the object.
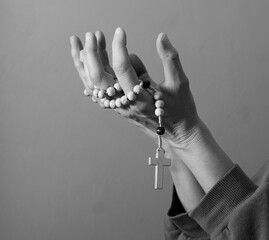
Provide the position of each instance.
(203, 156)
(189, 134)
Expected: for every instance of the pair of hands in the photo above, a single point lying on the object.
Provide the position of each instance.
(92, 63)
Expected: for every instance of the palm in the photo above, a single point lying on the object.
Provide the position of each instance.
(129, 69)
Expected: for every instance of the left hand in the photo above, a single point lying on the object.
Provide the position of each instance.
(180, 117)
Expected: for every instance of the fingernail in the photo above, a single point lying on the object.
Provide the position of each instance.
(88, 36)
(165, 40)
(164, 37)
(118, 30)
(71, 39)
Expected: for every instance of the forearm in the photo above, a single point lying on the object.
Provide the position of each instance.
(204, 157)
(187, 187)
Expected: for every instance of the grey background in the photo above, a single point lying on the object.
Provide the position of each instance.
(69, 170)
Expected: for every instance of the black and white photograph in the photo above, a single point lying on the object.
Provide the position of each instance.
(134, 120)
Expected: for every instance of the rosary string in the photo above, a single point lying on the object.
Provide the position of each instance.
(107, 98)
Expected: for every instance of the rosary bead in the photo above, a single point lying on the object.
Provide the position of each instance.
(95, 92)
(111, 91)
(118, 103)
(117, 86)
(145, 84)
(106, 103)
(124, 100)
(159, 104)
(112, 103)
(94, 99)
(137, 89)
(157, 96)
(159, 112)
(86, 93)
(160, 130)
(101, 93)
(131, 96)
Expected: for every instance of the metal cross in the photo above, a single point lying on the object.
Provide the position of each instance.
(159, 162)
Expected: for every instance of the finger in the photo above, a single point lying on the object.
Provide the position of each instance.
(96, 70)
(140, 69)
(138, 65)
(121, 62)
(94, 99)
(76, 47)
(101, 42)
(173, 72)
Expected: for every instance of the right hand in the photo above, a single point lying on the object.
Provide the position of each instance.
(180, 119)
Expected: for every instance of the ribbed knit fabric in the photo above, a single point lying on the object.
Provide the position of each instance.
(235, 208)
(232, 190)
(180, 220)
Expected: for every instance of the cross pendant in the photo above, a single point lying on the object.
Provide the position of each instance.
(159, 162)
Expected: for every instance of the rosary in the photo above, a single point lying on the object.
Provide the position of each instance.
(106, 97)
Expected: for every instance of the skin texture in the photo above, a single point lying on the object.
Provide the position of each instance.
(197, 160)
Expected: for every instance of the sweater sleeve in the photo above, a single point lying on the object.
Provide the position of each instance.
(235, 208)
(179, 225)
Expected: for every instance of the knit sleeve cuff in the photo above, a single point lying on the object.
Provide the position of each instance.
(179, 220)
(217, 205)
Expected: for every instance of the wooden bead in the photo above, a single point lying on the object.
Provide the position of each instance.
(101, 93)
(106, 103)
(111, 91)
(159, 112)
(146, 84)
(95, 92)
(94, 99)
(112, 103)
(86, 93)
(157, 96)
(131, 96)
(117, 86)
(160, 130)
(159, 104)
(137, 89)
(124, 100)
(118, 103)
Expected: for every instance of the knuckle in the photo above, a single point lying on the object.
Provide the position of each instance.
(96, 76)
(120, 68)
(89, 49)
(77, 64)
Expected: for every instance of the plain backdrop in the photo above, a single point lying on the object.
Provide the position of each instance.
(70, 170)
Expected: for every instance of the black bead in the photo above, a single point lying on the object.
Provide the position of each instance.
(146, 84)
(160, 130)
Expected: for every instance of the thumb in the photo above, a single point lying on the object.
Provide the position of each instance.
(173, 72)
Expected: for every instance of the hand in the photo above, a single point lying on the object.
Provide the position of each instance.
(180, 118)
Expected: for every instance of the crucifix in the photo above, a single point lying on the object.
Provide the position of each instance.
(159, 162)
